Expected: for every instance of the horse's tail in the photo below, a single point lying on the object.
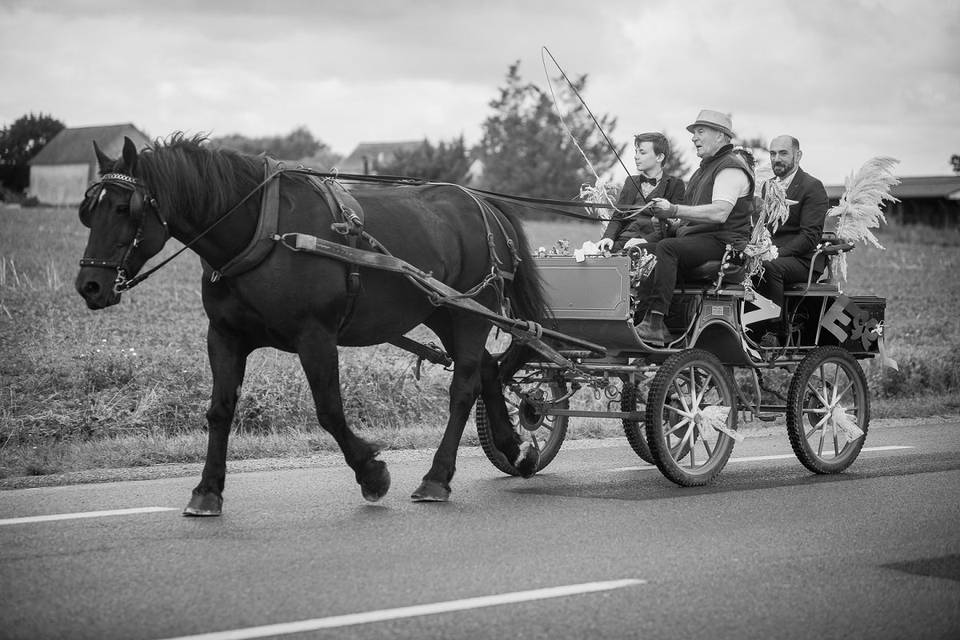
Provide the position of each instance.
(527, 298)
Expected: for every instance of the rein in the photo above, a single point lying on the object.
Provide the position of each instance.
(140, 196)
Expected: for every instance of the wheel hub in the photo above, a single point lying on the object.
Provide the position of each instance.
(529, 414)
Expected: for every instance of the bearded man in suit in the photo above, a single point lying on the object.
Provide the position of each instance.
(797, 238)
(650, 152)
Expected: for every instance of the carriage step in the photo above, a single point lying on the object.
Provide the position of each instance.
(765, 417)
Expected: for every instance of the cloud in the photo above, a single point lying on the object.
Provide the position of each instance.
(846, 77)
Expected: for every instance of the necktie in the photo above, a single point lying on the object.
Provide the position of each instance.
(651, 181)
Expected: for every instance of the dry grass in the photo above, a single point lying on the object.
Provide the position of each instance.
(129, 385)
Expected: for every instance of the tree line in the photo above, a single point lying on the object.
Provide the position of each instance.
(526, 148)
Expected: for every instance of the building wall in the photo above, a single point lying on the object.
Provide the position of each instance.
(61, 185)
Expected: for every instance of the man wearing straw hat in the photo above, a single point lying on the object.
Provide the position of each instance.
(715, 212)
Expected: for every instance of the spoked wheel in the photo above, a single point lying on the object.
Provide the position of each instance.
(691, 395)
(827, 404)
(636, 433)
(545, 432)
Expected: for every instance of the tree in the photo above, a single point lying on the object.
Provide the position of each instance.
(296, 145)
(24, 139)
(955, 161)
(19, 143)
(446, 162)
(676, 163)
(526, 150)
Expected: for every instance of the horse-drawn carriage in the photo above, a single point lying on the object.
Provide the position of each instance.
(304, 261)
(680, 403)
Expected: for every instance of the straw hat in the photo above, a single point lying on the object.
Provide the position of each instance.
(715, 120)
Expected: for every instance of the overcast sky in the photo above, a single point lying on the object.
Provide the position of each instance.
(850, 79)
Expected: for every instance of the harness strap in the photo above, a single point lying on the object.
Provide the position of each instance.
(347, 220)
(442, 294)
(268, 223)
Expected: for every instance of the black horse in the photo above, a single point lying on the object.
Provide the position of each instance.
(263, 294)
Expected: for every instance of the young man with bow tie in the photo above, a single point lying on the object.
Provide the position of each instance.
(650, 152)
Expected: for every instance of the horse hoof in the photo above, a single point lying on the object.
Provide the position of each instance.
(528, 460)
(376, 481)
(204, 505)
(431, 491)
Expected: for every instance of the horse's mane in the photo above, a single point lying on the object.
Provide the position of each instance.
(187, 174)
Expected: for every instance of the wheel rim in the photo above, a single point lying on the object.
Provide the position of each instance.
(696, 398)
(832, 398)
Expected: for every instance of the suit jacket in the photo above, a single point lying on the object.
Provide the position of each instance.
(799, 235)
(643, 225)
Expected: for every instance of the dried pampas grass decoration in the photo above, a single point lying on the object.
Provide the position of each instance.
(860, 205)
(602, 192)
(774, 211)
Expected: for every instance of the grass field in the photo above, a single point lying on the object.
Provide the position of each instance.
(129, 385)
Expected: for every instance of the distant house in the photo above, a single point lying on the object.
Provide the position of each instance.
(369, 155)
(65, 167)
(932, 200)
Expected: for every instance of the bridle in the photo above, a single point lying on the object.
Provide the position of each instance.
(140, 199)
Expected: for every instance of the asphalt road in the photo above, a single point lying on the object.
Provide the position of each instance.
(599, 545)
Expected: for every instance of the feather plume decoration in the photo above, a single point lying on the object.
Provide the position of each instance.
(860, 207)
(602, 192)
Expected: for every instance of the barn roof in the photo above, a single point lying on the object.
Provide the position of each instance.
(74, 145)
(915, 187)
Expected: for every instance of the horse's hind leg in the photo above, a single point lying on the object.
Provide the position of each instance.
(228, 360)
(318, 356)
(463, 337)
(523, 455)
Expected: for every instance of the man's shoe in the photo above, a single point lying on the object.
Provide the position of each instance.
(652, 329)
(770, 340)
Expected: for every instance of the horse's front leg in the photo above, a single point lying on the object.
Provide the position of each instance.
(228, 361)
(318, 356)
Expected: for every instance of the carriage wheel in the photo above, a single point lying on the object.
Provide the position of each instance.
(827, 396)
(544, 431)
(691, 392)
(636, 434)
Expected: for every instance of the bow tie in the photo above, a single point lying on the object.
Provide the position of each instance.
(651, 181)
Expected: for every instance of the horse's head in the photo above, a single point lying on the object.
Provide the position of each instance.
(126, 229)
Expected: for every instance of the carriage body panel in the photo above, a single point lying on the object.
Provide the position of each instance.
(591, 300)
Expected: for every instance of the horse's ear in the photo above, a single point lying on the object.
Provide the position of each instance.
(129, 154)
(103, 161)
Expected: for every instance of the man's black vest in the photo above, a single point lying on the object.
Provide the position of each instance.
(736, 229)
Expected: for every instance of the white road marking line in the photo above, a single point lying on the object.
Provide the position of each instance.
(84, 514)
(367, 617)
(781, 456)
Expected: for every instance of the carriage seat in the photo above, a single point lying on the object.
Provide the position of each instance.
(728, 270)
(733, 273)
(821, 276)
